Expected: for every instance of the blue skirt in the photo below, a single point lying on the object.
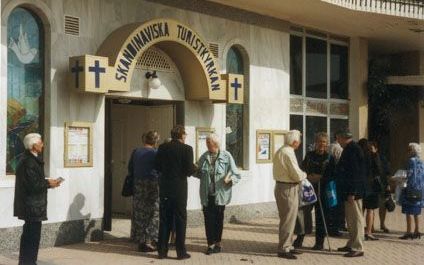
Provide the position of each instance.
(411, 209)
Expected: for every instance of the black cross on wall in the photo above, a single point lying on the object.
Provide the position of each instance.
(97, 70)
(76, 70)
(236, 85)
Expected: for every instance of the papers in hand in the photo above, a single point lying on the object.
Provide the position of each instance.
(60, 179)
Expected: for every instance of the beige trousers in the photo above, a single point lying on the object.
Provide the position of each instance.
(355, 225)
(287, 198)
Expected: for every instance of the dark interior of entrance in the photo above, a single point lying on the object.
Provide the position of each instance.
(126, 121)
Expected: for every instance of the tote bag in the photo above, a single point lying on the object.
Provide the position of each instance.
(331, 192)
(307, 195)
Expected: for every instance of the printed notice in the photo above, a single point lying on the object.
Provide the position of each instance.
(264, 143)
(78, 145)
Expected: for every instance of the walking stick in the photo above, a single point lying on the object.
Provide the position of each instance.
(322, 215)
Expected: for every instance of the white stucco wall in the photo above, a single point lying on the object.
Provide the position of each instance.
(268, 52)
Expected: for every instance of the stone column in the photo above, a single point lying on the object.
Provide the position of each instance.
(358, 93)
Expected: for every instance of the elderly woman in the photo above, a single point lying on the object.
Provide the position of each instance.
(314, 164)
(31, 197)
(218, 173)
(145, 220)
(412, 198)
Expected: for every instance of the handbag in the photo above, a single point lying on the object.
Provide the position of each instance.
(331, 192)
(413, 195)
(390, 204)
(307, 193)
(128, 187)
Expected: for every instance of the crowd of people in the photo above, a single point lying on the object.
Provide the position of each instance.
(160, 191)
(361, 178)
(357, 173)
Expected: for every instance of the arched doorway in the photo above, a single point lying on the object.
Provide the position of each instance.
(134, 107)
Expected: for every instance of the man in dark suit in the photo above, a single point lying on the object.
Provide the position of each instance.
(174, 161)
(30, 202)
(353, 181)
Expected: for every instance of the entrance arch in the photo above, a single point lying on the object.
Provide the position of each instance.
(196, 63)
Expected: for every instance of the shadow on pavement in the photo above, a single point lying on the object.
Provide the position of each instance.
(256, 248)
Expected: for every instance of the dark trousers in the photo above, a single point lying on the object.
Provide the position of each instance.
(172, 210)
(319, 224)
(214, 221)
(30, 242)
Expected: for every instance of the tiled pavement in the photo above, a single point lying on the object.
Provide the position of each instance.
(247, 243)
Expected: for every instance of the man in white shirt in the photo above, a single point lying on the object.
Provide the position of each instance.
(288, 176)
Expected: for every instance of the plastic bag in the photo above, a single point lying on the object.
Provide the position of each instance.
(307, 195)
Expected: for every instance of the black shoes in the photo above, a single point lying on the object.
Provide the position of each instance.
(345, 249)
(143, 247)
(184, 256)
(385, 229)
(210, 251)
(407, 236)
(411, 236)
(286, 255)
(354, 254)
(162, 256)
(217, 249)
(318, 247)
(298, 242)
(213, 250)
(370, 238)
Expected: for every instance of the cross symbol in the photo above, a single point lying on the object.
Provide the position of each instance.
(236, 85)
(97, 70)
(76, 70)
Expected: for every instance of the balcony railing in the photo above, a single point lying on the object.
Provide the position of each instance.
(403, 8)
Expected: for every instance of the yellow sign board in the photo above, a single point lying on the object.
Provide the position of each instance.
(112, 68)
(89, 73)
(235, 88)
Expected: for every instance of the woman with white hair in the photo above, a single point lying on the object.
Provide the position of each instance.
(412, 196)
(217, 172)
(31, 197)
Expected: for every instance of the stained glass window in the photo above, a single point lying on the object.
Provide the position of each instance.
(24, 81)
(234, 116)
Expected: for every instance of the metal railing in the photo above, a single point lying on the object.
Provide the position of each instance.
(404, 8)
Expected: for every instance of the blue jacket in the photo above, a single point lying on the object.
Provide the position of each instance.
(415, 179)
(224, 165)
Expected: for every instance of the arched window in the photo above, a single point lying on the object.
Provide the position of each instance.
(235, 112)
(25, 81)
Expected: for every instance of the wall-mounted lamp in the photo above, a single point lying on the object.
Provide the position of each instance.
(154, 81)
